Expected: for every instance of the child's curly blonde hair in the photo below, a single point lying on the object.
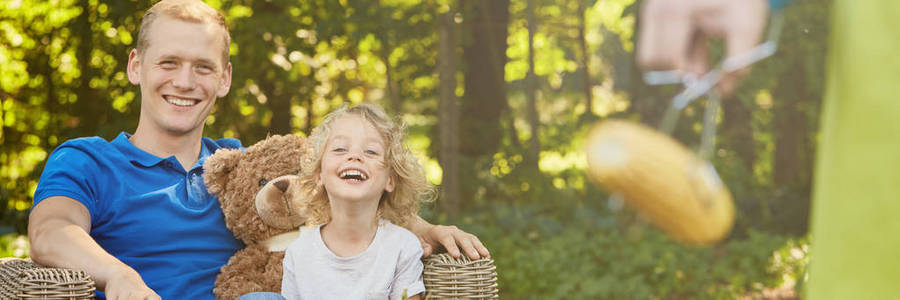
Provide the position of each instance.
(410, 185)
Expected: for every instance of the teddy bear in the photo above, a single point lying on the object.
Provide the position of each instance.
(259, 209)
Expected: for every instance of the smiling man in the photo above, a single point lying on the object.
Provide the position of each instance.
(133, 212)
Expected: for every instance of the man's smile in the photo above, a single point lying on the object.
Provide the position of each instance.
(179, 101)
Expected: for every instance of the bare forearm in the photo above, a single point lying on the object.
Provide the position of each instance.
(419, 226)
(61, 244)
(58, 230)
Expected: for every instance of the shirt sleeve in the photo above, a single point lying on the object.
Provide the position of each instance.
(409, 270)
(69, 172)
(230, 143)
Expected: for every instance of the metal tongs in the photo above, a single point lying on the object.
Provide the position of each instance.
(695, 88)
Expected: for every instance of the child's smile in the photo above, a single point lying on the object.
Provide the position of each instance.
(354, 175)
(353, 164)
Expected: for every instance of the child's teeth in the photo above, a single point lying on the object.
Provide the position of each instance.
(353, 173)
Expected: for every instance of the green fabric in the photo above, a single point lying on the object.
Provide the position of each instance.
(855, 252)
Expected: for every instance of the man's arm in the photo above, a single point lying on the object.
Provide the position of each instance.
(450, 237)
(58, 231)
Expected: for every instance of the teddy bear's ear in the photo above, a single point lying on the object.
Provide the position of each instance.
(217, 167)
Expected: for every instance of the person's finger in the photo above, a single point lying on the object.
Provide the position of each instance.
(745, 25)
(465, 242)
(743, 33)
(480, 248)
(427, 250)
(449, 244)
(698, 59)
(665, 34)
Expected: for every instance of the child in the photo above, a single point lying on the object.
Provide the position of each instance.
(362, 185)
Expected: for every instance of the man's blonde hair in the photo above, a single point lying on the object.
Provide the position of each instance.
(185, 10)
(410, 185)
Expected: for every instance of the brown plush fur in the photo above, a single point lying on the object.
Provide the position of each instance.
(245, 183)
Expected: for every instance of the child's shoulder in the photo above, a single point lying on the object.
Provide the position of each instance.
(306, 238)
(398, 234)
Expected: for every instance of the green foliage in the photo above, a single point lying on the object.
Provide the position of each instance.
(14, 245)
(584, 252)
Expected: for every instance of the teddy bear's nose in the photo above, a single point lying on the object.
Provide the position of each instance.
(282, 185)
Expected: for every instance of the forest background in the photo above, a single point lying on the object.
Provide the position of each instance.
(498, 95)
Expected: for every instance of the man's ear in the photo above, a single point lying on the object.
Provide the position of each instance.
(225, 82)
(134, 67)
(218, 167)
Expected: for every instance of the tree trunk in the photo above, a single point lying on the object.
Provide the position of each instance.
(484, 52)
(279, 104)
(644, 102)
(584, 63)
(534, 146)
(390, 84)
(793, 157)
(448, 117)
(485, 57)
(309, 115)
(736, 121)
(793, 152)
(90, 102)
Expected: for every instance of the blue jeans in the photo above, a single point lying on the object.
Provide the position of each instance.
(262, 296)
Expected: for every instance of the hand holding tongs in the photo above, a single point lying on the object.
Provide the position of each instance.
(695, 88)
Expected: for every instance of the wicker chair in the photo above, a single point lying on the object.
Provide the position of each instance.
(23, 279)
(460, 278)
(445, 278)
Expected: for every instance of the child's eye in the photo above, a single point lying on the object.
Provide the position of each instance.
(371, 152)
(339, 149)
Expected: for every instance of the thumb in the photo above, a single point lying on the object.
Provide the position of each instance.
(426, 248)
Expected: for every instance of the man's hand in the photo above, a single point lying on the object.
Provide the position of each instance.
(128, 285)
(452, 239)
(674, 33)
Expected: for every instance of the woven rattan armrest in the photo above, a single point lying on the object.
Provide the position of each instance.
(460, 278)
(24, 279)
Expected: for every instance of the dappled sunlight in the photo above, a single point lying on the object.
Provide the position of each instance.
(609, 15)
(552, 162)
(433, 171)
(607, 101)
(14, 245)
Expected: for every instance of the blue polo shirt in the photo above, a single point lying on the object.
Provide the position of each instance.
(147, 211)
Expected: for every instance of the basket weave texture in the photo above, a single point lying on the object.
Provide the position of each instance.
(460, 278)
(24, 279)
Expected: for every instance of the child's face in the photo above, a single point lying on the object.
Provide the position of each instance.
(353, 164)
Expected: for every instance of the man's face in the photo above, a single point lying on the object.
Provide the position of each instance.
(181, 73)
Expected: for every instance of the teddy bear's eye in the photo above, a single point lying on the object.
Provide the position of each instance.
(263, 182)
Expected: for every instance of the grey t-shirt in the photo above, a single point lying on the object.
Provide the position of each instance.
(391, 264)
